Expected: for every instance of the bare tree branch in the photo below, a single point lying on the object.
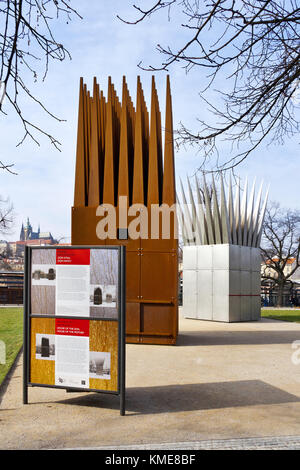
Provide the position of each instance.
(280, 246)
(26, 41)
(256, 49)
(7, 215)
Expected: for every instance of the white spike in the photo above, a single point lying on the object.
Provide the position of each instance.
(244, 213)
(226, 235)
(182, 223)
(201, 215)
(232, 224)
(216, 214)
(261, 219)
(187, 218)
(250, 215)
(229, 221)
(238, 216)
(195, 221)
(256, 215)
(209, 218)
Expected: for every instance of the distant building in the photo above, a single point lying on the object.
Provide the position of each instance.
(268, 270)
(11, 287)
(29, 237)
(269, 288)
(28, 234)
(3, 245)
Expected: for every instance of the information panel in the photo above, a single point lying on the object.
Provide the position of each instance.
(74, 319)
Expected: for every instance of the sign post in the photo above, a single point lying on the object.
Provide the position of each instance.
(74, 319)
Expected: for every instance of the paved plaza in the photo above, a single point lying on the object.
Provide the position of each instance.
(223, 386)
(255, 443)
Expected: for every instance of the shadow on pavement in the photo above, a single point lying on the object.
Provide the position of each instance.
(204, 338)
(189, 397)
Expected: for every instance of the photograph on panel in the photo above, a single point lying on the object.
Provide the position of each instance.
(45, 347)
(99, 367)
(104, 283)
(43, 274)
(103, 296)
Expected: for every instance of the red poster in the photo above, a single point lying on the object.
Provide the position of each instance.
(69, 327)
(73, 256)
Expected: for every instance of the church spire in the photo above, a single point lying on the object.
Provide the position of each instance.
(22, 234)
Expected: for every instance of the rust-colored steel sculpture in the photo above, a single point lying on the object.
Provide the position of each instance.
(120, 153)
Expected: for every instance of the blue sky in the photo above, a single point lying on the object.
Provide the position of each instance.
(100, 46)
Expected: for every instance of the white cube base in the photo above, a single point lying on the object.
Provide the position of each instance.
(221, 283)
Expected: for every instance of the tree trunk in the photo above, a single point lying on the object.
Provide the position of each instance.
(280, 294)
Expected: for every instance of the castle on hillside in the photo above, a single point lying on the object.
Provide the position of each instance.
(27, 234)
(29, 237)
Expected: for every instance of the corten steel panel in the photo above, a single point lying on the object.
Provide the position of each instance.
(133, 317)
(120, 154)
(133, 276)
(84, 223)
(160, 244)
(129, 243)
(158, 321)
(157, 277)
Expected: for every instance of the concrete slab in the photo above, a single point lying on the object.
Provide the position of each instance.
(221, 381)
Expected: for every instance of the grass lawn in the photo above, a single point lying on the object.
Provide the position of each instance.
(11, 333)
(283, 315)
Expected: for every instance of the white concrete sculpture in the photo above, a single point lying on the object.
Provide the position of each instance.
(221, 259)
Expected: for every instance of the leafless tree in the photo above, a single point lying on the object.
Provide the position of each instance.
(26, 41)
(280, 246)
(254, 44)
(7, 216)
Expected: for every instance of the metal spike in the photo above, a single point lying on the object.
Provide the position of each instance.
(244, 225)
(256, 216)
(250, 215)
(237, 210)
(188, 217)
(261, 220)
(231, 213)
(226, 236)
(182, 222)
(195, 220)
(201, 215)
(209, 217)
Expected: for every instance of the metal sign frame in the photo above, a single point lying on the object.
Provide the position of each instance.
(121, 322)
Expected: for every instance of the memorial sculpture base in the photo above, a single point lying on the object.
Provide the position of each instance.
(221, 282)
(122, 163)
(151, 280)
